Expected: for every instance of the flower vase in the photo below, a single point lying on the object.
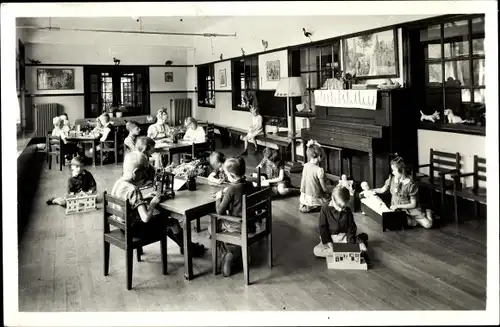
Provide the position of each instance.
(119, 114)
(192, 183)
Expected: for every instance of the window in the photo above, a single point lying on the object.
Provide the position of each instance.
(454, 69)
(317, 64)
(206, 86)
(245, 82)
(109, 88)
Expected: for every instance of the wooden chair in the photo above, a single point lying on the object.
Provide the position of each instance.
(54, 146)
(440, 165)
(116, 213)
(110, 146)
(256, 206)
(474, 193)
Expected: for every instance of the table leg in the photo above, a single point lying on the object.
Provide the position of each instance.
(371, 167)
(188, 259)
(93, 153)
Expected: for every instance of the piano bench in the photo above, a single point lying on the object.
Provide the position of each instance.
(388, 220)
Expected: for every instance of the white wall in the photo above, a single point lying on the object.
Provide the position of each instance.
(466, 145)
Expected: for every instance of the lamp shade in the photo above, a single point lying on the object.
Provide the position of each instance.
(291, 87)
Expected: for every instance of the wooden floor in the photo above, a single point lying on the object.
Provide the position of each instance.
(61, 268)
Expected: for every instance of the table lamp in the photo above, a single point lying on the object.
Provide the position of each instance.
(291, 87)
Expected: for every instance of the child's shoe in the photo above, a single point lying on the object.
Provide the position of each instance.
(49, 201)
(227, 264)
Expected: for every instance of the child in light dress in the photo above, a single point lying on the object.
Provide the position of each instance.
(313, 188)
(194, 132)
(275, 175)
(253, 130)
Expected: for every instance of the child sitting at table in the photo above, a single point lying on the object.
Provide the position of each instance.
(99, 127)
(275, 173)
(133, 132)
(147, 218)
(254, 129)
(59, 130)
(194, 132)
(160, 129)
(229, 202)
(217, 175)
(81, 180)
(146, 146)
(313, 186)
(107, 132)
(336, 224)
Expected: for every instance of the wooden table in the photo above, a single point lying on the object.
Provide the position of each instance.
(181, 146)
(188, 206)
(86, 139)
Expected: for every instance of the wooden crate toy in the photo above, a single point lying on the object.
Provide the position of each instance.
(346, 256)
(163, 183)
(81, 202)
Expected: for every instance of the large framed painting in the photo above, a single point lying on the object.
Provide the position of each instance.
(55, 79)
(373, 55)
(273, 70)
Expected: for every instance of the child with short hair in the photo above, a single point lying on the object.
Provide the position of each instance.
(133, 132)
(404, 195)
(81, 180)
(217, 175)
(254, 129)
(160, 129)
(61, 130)
(146, 146)
(98, 129)
(336, 224)
(107, 132)
(313, 186)
(147, 218)
(230, 202)
(275, 173)
(65, 119)
(194, 132)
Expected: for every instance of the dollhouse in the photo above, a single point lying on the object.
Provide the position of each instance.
(164, 183)
(346, 256)
(81, 202)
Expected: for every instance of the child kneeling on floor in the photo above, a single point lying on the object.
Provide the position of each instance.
(146, 218)
(230, 202)
(275, 175)
(336, 224)
(81, 180)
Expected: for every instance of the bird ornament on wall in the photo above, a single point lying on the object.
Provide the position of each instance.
(221, 56)
(168, 63)
(242, 51)
(116, 61)
(307, 34)
(265, 44)
(34, 62)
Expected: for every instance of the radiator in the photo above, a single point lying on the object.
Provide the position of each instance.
(180, 109)
(44, 113)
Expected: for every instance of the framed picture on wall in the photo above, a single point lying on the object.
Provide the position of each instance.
(223, 77)
(273, 70)
(169, 77)
(373, 55)
(55, 79)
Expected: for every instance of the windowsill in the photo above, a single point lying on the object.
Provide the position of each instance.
(206, 105)
(457, 128)
(23, 140)
(241, 108)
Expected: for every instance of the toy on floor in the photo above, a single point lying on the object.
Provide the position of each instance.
(432, 118)
(163, 184)
(454, 119)
(346, 256)
(372, 200)
(81, 202)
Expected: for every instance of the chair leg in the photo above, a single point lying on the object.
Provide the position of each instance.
(49, 160)
(61, 161)
(130, 266)
(100, 152)
(244, 258)
(106, 258)
(139, 253)
(213, 222)
(455, 204)
(198, 227)
(163, 245)
(116, 156)
(270, 250)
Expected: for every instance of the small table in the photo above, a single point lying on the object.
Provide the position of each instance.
(181, 146)
(188, 206)
(92, 139)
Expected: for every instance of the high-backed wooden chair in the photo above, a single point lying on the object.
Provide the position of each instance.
(116, 213)
(256, 207)
(440, 164)
(110, 146)
(475, 193)
(54, 147)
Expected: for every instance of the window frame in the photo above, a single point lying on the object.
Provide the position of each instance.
(206, 85)
(241, 79)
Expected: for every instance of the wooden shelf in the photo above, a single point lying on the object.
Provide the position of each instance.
(304, 114)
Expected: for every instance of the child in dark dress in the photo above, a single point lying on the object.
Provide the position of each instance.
(81, 180)
(275, 174)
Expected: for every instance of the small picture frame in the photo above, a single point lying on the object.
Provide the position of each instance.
(223, 77)
(273, 70)
(169, 77)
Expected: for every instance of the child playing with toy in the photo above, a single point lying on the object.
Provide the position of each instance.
(81, 180)
(194, 132)
(133, 132)
(313, 186)
(217, 175)
(253, 130)
(336, 224)
(404, 195)
(372, 200)
(275, 174)
(147, 218)
(229, 202)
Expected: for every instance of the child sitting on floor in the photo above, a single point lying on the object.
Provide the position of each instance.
(229, 202)
(146, 218)
(336, 224)
(217, 175)
(133, 132)
(275, 174)
(313, 186)
(254, 129)
(81, 180)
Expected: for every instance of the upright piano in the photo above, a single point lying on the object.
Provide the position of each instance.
(361, 142)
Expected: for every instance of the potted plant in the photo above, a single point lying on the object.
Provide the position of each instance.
(187, 171)
(120, 110)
